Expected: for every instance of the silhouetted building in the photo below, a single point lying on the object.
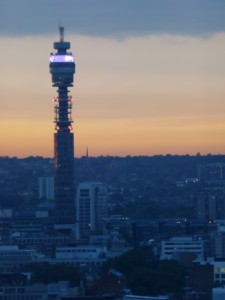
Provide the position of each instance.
(213, 172)
(211, 206)
(46, 188)
(218, 239)
(202, 276)
(62, 68)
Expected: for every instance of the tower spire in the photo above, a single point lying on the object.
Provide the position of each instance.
(61, 33)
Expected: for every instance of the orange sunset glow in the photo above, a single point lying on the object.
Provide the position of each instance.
(149, 94)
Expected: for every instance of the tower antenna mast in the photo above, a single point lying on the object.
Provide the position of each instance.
(61, 33)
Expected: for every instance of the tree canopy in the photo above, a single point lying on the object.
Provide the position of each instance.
(146, 276)
(60, 272)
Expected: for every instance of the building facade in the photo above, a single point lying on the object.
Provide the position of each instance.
(210, 206)
(214, 172)
(91, 208)
(177, 245)
(46, 188)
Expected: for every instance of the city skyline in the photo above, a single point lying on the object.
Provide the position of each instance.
(150, 76)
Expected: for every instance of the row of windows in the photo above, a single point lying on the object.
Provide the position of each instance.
(11, 290)
(15, 259)
(76, 250)
(172, 252)
(20, 297)
(219, 275)
(85, 207)
(37, 240)
(85, 213)
(218, 282)
(220, 270)
(83, 263)
(19, 253)
(7, 269)
(84, 200)
(183, 248)
(183, 244)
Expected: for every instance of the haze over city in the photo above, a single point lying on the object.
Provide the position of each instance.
(150, 76)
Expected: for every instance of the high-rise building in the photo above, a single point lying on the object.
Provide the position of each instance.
(211, 173)
(91, 207)
(46, 188)
(62, 69)
(218, 239)
(211, 205)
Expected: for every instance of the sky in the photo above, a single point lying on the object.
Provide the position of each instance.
(150, 76)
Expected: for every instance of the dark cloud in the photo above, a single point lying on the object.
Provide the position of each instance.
(111, 17)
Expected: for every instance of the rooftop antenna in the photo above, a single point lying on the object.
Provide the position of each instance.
(87, 152)
(61, 33)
